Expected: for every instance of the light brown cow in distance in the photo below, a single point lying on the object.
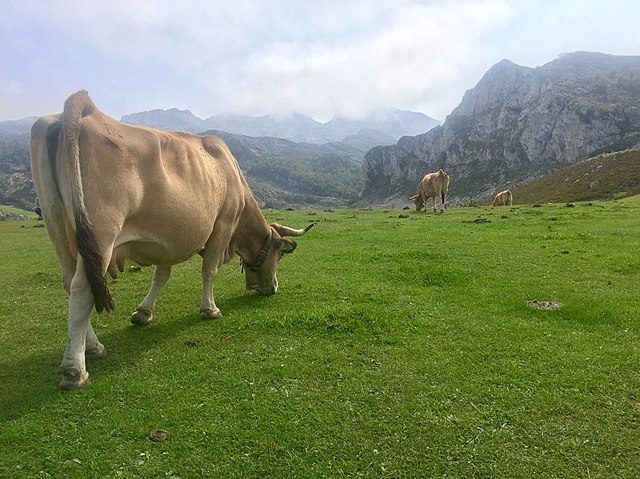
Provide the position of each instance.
(433, 185)
(110, 191)
(503, 198)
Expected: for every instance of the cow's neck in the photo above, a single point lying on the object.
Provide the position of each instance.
(251, 233)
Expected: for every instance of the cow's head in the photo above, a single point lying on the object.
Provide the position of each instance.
(418, 201)
(260, 275)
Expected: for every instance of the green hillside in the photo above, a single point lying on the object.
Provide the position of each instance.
(613, 175)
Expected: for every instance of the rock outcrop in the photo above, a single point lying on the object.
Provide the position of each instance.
(517, 124)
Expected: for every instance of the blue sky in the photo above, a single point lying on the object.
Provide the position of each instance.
(257, 57)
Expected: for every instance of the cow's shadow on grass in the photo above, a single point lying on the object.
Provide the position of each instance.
(245, 302)
(28, 383)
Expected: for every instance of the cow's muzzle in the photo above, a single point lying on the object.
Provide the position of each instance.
(266, 291)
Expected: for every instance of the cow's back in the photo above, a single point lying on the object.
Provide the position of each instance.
(166, 190)
(153, 196)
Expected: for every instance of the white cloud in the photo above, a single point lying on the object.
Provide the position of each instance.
(392, 64)
(258, 57)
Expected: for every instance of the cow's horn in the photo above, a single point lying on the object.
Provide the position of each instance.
(286, 231)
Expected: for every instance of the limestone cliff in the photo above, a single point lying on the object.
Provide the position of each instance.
(518, 123)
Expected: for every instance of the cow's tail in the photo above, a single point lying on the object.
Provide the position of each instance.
(76, 107)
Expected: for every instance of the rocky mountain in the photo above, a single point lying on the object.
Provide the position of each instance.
(16, 186)
(381, 128)
(516, 124)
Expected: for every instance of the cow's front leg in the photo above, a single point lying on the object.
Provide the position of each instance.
(72, 367)
(208, 308)
(144, 312)
(211, 255)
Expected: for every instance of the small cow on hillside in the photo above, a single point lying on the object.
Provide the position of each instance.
(433, 185)
(503, 198)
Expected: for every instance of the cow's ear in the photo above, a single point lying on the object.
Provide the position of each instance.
(287, 246)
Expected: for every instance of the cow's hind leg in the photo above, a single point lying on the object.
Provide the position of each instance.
(144, 312)
(72, 368)
(94, 348)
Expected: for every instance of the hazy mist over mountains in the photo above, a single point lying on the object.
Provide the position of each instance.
(386, 127)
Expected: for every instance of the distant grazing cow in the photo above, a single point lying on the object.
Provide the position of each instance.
(433, 185)
(503, 198)
(110, 191)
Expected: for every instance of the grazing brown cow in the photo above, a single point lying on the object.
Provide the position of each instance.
(433, 185)
(111, 191)
(503, 198)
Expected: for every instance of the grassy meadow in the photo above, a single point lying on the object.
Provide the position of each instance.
(400, 344)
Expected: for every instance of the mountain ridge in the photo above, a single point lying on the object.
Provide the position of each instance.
(296, 127)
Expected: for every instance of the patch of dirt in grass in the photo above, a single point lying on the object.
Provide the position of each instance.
(546, 305)
(158, 435)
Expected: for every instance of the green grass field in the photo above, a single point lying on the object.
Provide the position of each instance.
(395, 347)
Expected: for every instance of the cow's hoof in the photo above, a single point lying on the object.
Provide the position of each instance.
(141, 317)
(73, 378)
(210, 313)
(97, 352)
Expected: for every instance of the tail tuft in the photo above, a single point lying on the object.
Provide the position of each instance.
(93, 265)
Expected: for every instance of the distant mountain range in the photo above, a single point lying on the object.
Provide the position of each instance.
(292, 161)
(382, 128)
